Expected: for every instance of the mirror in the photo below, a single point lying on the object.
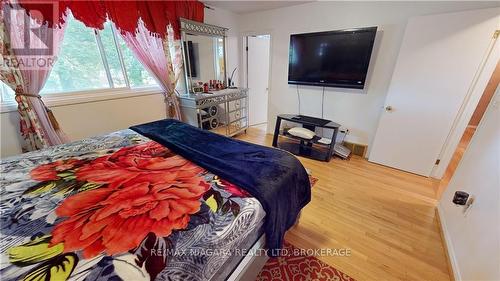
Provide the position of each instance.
(203, 54)
(206, 57)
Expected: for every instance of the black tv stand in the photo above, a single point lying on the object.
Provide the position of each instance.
(311, 120)
(305, 147)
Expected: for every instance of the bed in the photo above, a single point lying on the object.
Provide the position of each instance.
(124, 206)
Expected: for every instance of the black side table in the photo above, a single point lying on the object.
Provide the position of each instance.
(307, 148)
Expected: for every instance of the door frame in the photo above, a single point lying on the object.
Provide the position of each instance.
(469, 104)
(244, 63)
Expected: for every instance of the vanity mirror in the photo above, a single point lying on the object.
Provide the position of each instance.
(204, 54)
(206, 102)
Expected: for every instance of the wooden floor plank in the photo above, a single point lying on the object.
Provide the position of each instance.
(386, 217)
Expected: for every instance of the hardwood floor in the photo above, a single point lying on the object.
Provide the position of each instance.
(384, 216)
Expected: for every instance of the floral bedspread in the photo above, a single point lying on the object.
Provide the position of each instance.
(117, 207)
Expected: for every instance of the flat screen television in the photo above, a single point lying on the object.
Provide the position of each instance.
(192, 58)
(337, 58)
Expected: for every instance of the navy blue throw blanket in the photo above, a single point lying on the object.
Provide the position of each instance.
(275, 177)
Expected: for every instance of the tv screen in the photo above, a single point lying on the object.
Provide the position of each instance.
(192, 58)
(333, 59)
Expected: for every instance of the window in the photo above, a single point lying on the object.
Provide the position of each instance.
(112, 55)
(79, 66)
(219, 58)
(137, 75)
(93, 60)
(89, 62)
(6, 93)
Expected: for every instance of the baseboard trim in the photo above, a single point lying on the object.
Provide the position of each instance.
(448, 245)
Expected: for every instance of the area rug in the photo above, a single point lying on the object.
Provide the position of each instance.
(313, 180)
(299, 268)
(293, 267)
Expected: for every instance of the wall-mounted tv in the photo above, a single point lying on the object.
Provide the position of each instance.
(337, 58)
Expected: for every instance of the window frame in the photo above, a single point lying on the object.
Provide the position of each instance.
(3, 93)
(63, 99)
(94, 95)
(104, 59)
(120, 55)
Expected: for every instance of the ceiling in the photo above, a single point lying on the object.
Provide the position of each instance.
(246, 7)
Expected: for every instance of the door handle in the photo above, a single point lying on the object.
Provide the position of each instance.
(388, 108)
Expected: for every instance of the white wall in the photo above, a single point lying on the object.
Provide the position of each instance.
(473, 240)
(100, 117)
(357, 110)
(88, 119)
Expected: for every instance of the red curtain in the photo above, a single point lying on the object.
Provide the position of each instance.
(91, 13)
(156, 15)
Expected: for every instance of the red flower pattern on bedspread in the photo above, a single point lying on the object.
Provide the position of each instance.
(148, 162)
(50, 171)
(147, 189)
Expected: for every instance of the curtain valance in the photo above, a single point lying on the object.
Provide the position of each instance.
(149, 28)
(156, 15)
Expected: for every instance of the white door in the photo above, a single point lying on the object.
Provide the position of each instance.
(258, 77)
(438, 59)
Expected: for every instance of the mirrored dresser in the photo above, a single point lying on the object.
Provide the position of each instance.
(206, 101)
(223, 111)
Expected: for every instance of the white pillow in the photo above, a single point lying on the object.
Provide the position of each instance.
(301, 133)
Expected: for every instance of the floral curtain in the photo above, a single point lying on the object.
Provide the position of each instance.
(25, 68)
(150, 29)
(173, 46)
(162, 58)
